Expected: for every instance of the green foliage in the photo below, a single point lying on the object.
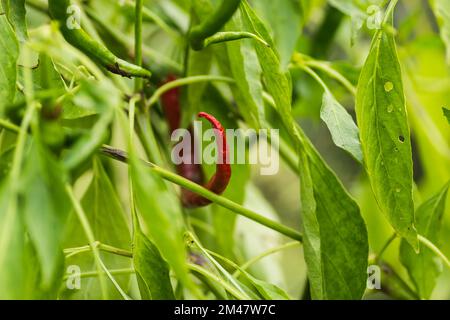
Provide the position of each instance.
(424, 268)
(90, 197)
(10, 52)
(152, 271)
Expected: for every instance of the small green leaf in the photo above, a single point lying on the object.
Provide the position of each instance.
(424, 267)
(385, 136)
(152, 270)
(343, 129)
(9, 48)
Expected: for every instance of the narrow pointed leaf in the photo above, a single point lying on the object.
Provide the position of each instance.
(424, 267)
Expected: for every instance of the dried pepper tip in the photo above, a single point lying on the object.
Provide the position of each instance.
(221, 178)
(171, 105)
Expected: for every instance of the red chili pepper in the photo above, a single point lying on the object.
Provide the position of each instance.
(191, 171)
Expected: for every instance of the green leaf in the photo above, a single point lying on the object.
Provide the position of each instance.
(446, 114)
(152, 271)
(285, 18)
(441, 9)
(9, 47)
(361, 11)
(109, 225)
(16, 13)
(267, 291)
(102, 98)
(161, 213)
(45, 208)
(19, 278)
(343, 129)
(336, 244)
(200, 63)
(385, 136)
(424, 267)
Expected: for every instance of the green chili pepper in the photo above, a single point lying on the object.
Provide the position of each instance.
(59, 10)
(213, 24)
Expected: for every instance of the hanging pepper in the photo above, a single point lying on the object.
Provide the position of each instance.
(76, 36)
(192, 171)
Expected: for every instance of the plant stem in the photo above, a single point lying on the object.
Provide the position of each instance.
(90, 236)
(430, 245)
(122, 156)
(323, 66)
(183, 82)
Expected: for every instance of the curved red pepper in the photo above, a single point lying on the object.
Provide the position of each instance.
(191, 171)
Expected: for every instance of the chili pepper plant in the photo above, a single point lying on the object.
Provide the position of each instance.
(328, 149)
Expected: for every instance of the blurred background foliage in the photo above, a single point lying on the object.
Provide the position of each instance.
(333, 31)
